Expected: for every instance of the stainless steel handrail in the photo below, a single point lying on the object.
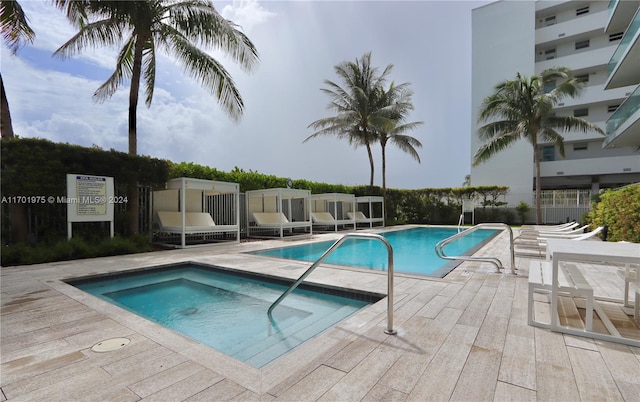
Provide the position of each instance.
(389, 330)
(493, 260)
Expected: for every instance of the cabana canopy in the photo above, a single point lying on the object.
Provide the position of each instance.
(280, 210)
(372, 208)
(330, 209)
(200, 208)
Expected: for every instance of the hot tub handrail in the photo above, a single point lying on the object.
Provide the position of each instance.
(389, 330)
(493, 260)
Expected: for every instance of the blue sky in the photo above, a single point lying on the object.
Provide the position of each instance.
(299, 42)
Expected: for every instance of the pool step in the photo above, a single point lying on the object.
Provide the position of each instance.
(281, 342)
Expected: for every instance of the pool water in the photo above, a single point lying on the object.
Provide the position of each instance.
(413, 250)
(225, 310)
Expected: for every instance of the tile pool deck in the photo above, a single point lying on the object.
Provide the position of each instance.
(461, 338)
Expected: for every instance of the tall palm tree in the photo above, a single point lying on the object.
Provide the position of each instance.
(174, 27)
(357, 116)
(395, 104)
(16, 32)
(523, 109)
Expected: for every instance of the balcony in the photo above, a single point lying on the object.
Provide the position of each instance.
(577, 61)
(623, 65)
(595, 94)
(576, 26)
(623, 127)
(620, 13)
(591, 166)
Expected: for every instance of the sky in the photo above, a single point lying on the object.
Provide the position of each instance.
(299, 44)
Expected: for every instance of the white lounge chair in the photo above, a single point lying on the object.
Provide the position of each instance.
(538, 247)
(276, 220)
(195, 223)
(323, 218)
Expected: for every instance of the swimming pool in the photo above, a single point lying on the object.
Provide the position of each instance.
(227, 310)
(413, 250)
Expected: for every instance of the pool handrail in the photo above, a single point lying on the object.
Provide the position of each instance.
(493, 260)
(389, 330)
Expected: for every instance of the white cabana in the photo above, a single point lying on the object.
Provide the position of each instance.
(369, 211)
(197, 210)
(330, 210)
(281, 211)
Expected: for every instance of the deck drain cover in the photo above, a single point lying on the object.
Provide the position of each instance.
(110, 345)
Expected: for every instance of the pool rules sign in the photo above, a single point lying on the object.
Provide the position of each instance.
(88, 200)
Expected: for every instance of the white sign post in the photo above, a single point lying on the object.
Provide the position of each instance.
(89, 199)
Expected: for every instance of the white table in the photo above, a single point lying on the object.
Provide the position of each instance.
(588, 251)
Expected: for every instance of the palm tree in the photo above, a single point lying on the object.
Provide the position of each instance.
(395, 104)
(174, 27)
(357, 117)
(523, 109)
(16, 32)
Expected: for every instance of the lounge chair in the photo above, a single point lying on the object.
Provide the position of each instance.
(527, 235)
(195, 223)
(550, 227)
(278, 221)
(564, 228)
(538, 247)
(323, 218)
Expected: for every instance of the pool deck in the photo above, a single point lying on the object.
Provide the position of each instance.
(461, 338)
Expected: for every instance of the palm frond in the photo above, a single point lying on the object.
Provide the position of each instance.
(16, 31)
(199, 22)
(123, 70)
(99, 33)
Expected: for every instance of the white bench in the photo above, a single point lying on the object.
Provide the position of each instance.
(570, 283)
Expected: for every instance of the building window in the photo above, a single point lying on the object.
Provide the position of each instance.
(551, 20)
(582, 10)
(582, 78)
(548, 153)
(612, 108)
(615, 36)
(582, 44)
(550, 54)
(581, 112)
(549, 86)
(580, 146)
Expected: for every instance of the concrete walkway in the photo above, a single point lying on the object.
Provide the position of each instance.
(461, 338)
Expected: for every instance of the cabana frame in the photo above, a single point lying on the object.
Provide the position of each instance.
(365, 204)
(189, 207)
(338, 205)
(278, 210)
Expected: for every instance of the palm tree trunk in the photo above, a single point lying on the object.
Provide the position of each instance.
(6, 127)
(134, 203)
(384, 180)
(370, 163)
(17, 212)
(536, 156)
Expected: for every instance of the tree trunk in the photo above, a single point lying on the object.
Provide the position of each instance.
(370, 163)
(6, 127)
(384, 180)
(536, 156)
(17, 212)
(134, 204)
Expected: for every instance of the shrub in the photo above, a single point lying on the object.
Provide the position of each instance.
(75, 248)
(620, 211)
(523, 209)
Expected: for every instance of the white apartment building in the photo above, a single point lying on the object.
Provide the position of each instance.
(531, 36)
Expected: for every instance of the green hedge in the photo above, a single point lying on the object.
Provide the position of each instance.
(38, 167)
(620, 211)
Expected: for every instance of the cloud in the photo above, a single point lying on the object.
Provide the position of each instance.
(246, 13)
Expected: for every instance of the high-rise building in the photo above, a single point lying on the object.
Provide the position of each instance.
(599, 41)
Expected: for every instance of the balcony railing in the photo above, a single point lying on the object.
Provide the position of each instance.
(624, 111)
(626, 41)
